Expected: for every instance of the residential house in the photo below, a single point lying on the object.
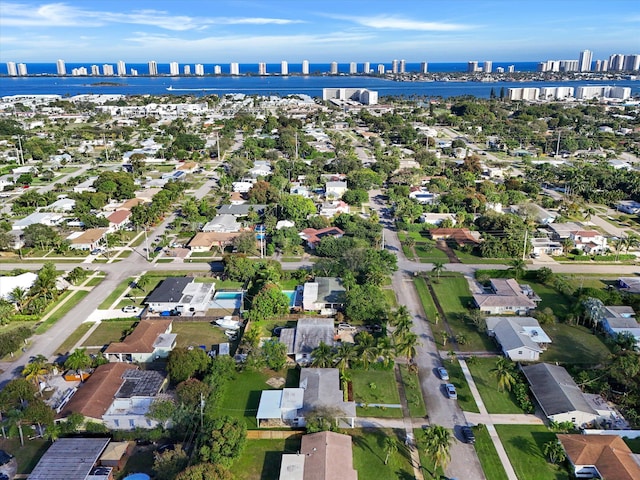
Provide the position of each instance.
(188, 167)
(335, 190)
(87, 240)
(116, 455)
(539, 214)
(182, 295)
(299, 189)
(6, 181)
(423, 195)
(149, 341)
(520, 338)
(241, 210)
(322, 456)
(86, 186)
(589, 241)
(119, 219)
(62, 205)
(629, 206)
(461, 236)
(45, 218)
(506, 296)
(25, 169)
(331, 209)
(562, 231)
(313, 236)
(73, 458)
(236, 198)
(8, 283)
(629, 284)
(558, 395)
(600, 456)
(324, 293)
(242, 187)
(205, 241)
(261, 168)
(318, 390)
(438, 218)
(306, 337)
(614, 320)
(223, 224)
(547, 246)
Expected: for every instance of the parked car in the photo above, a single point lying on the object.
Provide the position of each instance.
(345, 326)
(443, 374)
(451, 390)
(467, 433)
(129, 309)
(97, 251)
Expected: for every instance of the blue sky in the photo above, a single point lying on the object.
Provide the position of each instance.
(218, 31)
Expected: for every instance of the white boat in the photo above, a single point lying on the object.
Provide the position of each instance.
(229, 323)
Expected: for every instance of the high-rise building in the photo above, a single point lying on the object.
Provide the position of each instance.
(305, 67)
(186, 70)
(79, 72)
(234, 68)
(616, 62)
(394, 66)
(122, 68)
(631, 63)
(153, 68)
(424, 67)
(487, 66)
(199, 69)
(500, 70)
(511, 68)
(367, 67)
(12, 71)
(334, 68)
(602, 65)
(353, 68)
(472, 66)
(262, 68)
(403, 66)
(107, 70)
(95, 70)
(284, 67)
(134, 72)
(22, 69)
(61, 68)
(174, 69)
(380, 69)
(584, 62)
(217, 70)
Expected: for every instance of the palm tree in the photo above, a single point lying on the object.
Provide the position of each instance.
(407, 347)
(344, 355)
(517, 266)
(504, 372)
(390, 447)
(437, 445)
(366, 348)
(143, 282)
(7, 310)
(438, 268)
(322, 356)
(36, 370)
(19, 296)
(554, 451)
(386, 350)
(588, 213)
(78, 360)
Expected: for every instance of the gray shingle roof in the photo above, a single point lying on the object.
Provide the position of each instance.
(310, 332)
(169, 290)
(69, 458)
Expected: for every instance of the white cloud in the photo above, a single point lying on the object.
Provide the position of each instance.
(401, 23)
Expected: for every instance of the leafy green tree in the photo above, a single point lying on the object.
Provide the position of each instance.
(517, 267)
(7, 311)
(296, 208)
(40, 235)
(246, 243)
(239, 267)
(192, 391)
(205, 471)
(438, 445)
(365, 303)
(222, 440)
(162, 411)
(269, 303)
(554, 452)
(39, 413)
(78, 360)
(184, 363)
(275, 354)
(168, 464)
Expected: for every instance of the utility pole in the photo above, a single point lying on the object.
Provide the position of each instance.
(218, 146)
(524, 247)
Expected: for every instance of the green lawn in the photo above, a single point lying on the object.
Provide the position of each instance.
(390, 297)
(413, 392)
(454, 297)
(633, 444)
(465, 399)
(109, 331)
(524, 444)
(72, 339)
(94, 282)
(426, 463)
(198, 333)
(489, 460)
(369, 455)
(76, 297)
(290, 284)
(574, 344)
(470, 258)
(425, 297)
(428, 253)
(113, 296)
(375, 386)
(140, 462)
(27, 456)
(260, 459)
(487, 383)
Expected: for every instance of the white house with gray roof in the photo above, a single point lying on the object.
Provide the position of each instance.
(520, 338)
(324, 293)
(181, 294)
(306, 337)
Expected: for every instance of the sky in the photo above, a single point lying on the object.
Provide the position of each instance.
(251, 31)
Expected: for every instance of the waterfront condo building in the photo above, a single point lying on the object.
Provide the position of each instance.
(472, 66)
(107, 70)
(174, 68)
(22, 69)
(61, 68)
(424, 67)
(153, 68)
(199, 69)
(367, 67)
(217, 69)
(284, 67)
(12, 71)
(380, 69)
(403, 66)
(353, 68)
(186, 70)
(487, 67)
(584, 62)
(95, 70)
(234, 68)
(262, 68)
(305, 67)
(394, 66)
(334, 68)
(122, 68)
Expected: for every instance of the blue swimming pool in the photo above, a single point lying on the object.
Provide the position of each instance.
(293, 297)
(227, 296)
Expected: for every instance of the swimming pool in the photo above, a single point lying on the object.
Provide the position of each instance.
(227, 296)
(293, 297)
(226, 301)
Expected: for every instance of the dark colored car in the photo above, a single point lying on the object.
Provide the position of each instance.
(467, 433)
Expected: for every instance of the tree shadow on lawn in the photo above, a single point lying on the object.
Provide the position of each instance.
(251, 408)
(526, 445)
(578, 353)
(293, 378)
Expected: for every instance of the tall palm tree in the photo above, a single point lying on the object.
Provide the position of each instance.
(554, 451)
(344, 355)
(36, 370)
(390, 447)
(504, 372)
(437, 445)
(78, 360)
(438, 268)
(142, 282)
(366, 349)
(322, 356)
(517, 266)
(386, 350)
(407, 346)
(19, 296)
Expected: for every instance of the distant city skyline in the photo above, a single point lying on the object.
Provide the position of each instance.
(288, 30)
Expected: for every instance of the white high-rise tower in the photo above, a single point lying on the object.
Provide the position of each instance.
(284, 67)
(12, 71)
(122, 68)
(174, 68)
(61, 67)
(305, 67)
(584, 63)
(153, 68)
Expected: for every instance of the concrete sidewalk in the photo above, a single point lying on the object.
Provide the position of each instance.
(497, 443)
(503, 419)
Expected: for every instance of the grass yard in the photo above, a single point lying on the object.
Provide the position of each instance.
(454, 297)
(413, 392)
(375, 386)
(94, 282)
(428, 470)
(470, 258)
(290, 284)
(113, 296)
(140, 462)
(260, 459)
(390, 297)
(465, 399)
(428, 253)
(76, 297)
(198, 333)
(574, 344)
(425, 297)
(109, 331)
(633, 444)
(72, 339)
(369, 455)
(524, 444)
(487, 383)
(27, 456)
(489, 460)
